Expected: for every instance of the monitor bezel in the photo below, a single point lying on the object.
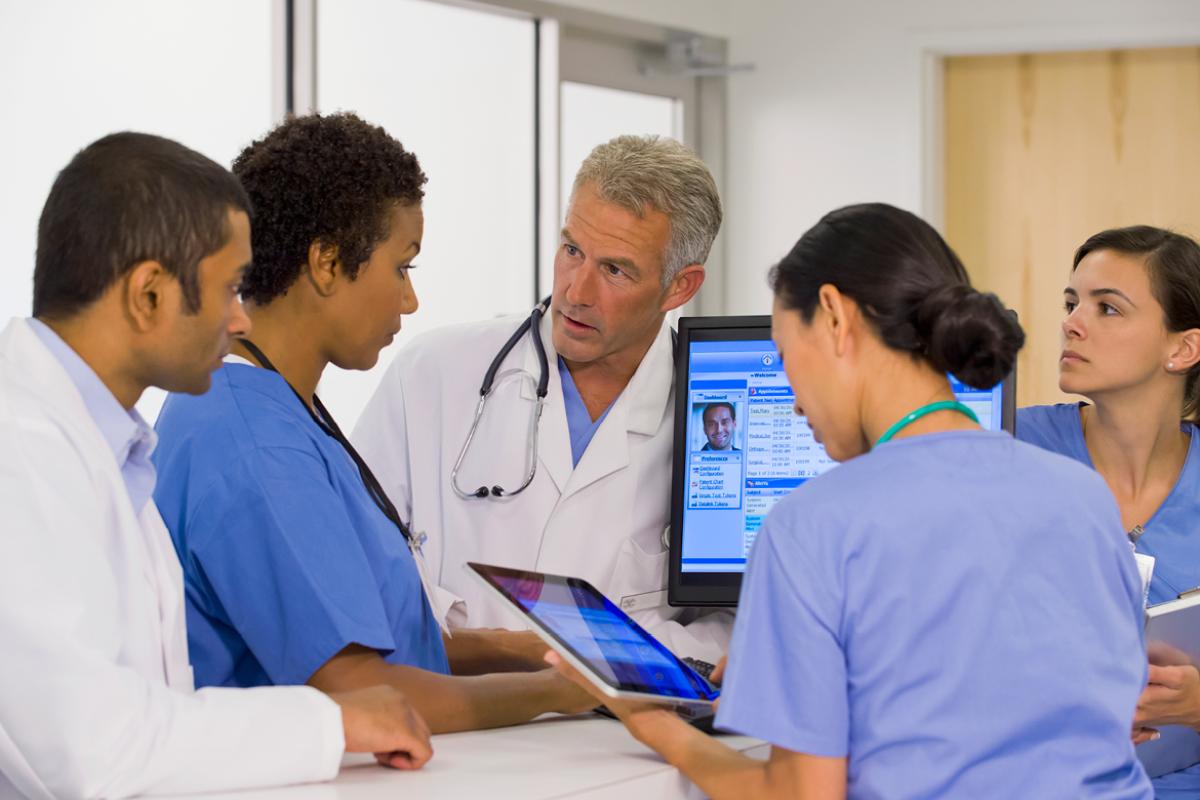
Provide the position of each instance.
(713, 589)
(721, 589)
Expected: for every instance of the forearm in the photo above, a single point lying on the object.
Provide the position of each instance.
(482, 651)
(458, 703)
(722, 772)
(719, 771)
(451, 703)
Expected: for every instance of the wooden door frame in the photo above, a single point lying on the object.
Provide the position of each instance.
(933, 48)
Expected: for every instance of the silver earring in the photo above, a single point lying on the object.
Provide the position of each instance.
(1170, 365)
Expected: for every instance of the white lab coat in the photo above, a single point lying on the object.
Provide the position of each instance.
(96, 695)
(602, 521)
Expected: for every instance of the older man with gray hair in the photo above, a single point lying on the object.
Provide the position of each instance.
(583, 488)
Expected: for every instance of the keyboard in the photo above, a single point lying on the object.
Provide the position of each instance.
(703, 667)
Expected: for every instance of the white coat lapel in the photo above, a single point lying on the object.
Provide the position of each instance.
(554, 439)
(638, 411)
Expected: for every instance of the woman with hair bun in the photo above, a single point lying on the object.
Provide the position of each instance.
(1131, 346)
(906, 626)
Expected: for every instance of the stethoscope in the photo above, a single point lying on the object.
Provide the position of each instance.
(532, 325)
(326, 423)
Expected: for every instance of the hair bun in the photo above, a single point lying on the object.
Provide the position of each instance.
(969, 334)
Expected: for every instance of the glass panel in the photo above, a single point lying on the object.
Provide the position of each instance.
(456, 86)
(73, 72)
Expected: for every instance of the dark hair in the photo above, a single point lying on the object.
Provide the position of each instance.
(1173, 262)
(910, 286)
(711, 406)
(125, 199)
(333, 179)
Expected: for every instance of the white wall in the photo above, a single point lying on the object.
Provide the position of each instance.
(836, 111)
(470, 123)
(702, 16)
(71, 72)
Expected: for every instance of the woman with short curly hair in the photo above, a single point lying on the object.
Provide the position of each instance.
(299, 569)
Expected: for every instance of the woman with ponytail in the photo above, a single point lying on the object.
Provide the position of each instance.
(1131, 346)
(906, 626)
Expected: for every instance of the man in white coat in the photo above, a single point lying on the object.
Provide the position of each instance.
(642, 217)
(141, 245)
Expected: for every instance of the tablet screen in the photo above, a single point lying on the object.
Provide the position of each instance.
(598, 633)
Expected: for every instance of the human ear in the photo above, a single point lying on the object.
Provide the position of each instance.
(323, 266)
(837, 310)
(1186, 353)
(146, 288)
(683, 287)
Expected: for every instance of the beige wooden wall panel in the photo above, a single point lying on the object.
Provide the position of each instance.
(1041, 151)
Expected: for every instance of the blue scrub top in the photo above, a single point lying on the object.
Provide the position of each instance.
(579, 420)
(958, 613)
(286, 558)
(1170, 535)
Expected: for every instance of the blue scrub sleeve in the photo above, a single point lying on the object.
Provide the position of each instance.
(786, 679)
(275, 543)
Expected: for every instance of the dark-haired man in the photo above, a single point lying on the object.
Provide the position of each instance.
(141, 247)
(720, 426)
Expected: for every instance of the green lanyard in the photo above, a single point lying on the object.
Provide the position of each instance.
(910, 418)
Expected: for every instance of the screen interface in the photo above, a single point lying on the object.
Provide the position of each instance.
(746, 448)
(599, 633)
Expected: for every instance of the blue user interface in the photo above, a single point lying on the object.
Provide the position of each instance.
(746, 448)
(602, 635)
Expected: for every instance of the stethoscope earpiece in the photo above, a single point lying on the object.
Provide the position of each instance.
(482, 491)
(497, 491)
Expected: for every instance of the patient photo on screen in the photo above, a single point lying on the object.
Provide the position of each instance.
(715, 426)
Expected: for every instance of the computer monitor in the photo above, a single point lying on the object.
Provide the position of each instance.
(739, 448)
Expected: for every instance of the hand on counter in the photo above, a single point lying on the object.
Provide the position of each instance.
(380, 720)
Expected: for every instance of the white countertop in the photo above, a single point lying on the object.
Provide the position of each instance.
(585, 756)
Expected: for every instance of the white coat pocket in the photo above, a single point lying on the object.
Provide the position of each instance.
(639, 579)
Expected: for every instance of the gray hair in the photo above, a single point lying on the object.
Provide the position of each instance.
(638, 171)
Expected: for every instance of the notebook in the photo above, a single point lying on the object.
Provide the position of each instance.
(1173, 638)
